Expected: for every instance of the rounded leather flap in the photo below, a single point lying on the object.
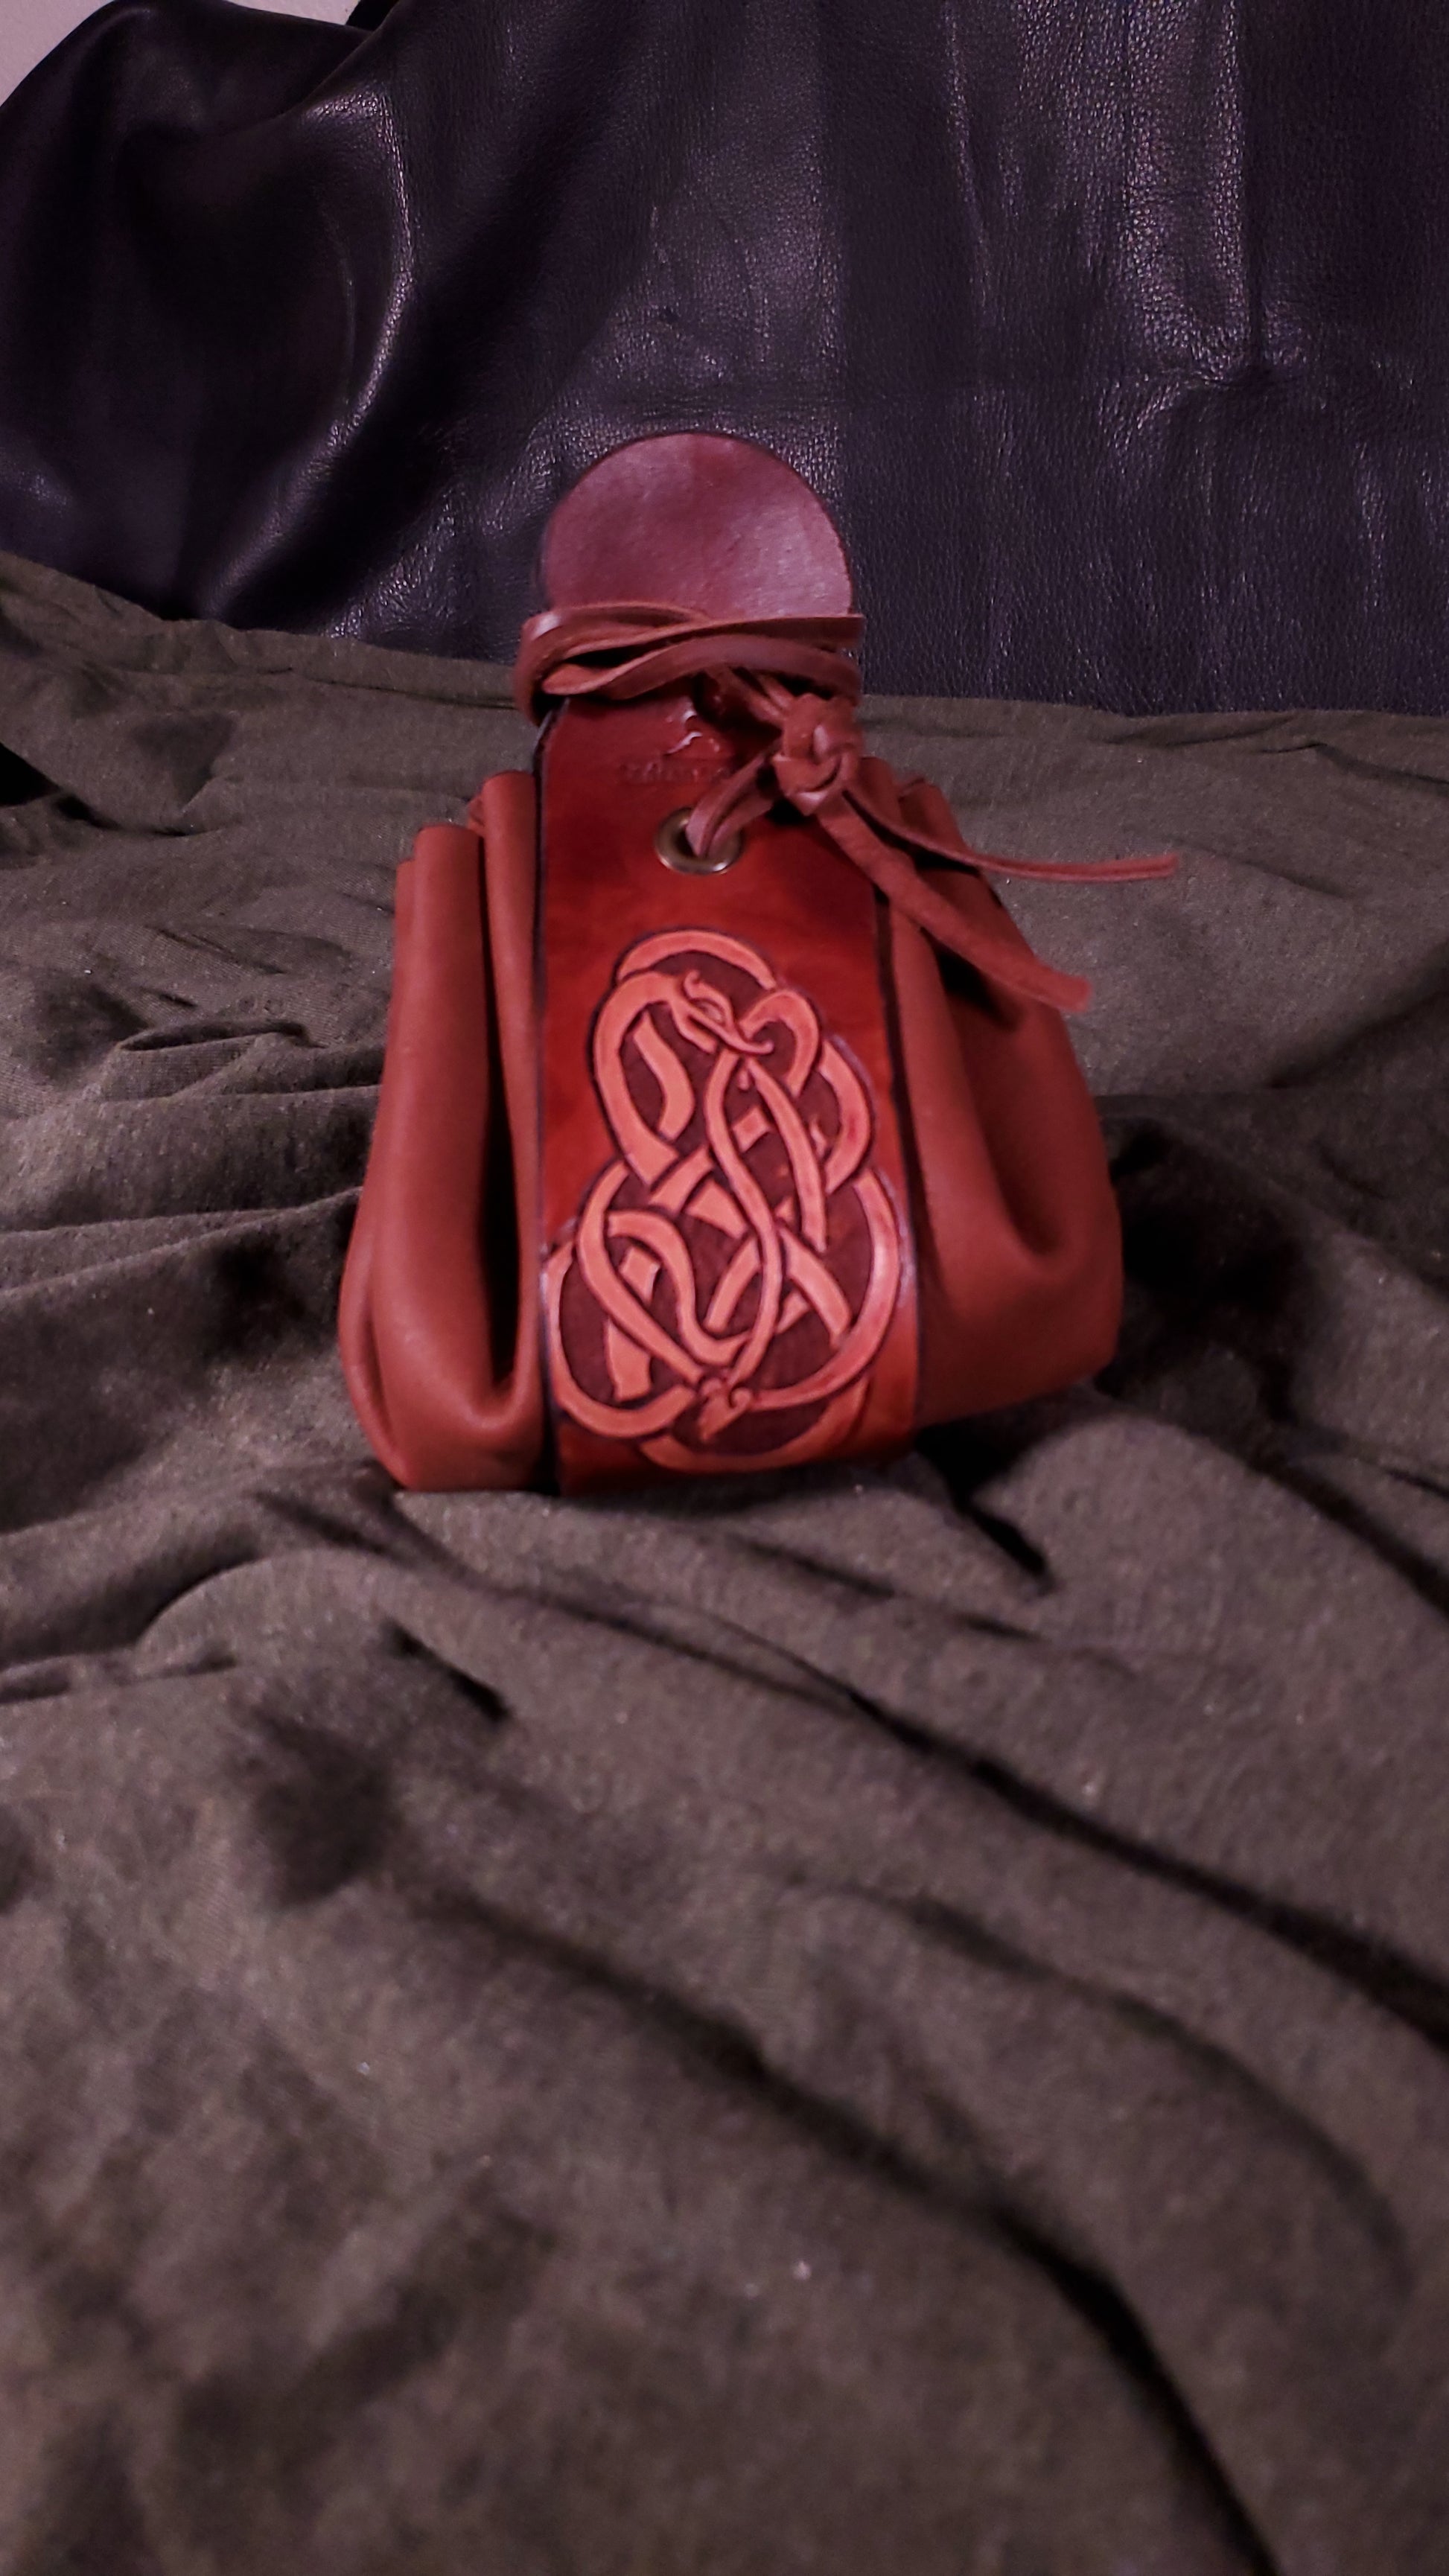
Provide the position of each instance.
(696, 521)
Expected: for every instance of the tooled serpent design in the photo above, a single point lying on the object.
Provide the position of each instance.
(733, 1270)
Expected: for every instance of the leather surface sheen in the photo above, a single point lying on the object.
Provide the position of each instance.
(732, 1168)
(1113, 334)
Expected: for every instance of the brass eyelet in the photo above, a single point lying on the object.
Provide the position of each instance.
(676, 853)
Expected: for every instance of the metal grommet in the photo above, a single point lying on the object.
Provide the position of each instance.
(675, 851)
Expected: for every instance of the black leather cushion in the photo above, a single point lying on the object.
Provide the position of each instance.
(1115, 336)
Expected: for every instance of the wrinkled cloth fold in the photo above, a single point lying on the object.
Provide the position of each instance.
(881, 2021)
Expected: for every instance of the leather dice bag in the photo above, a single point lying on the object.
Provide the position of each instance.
(726, 1122)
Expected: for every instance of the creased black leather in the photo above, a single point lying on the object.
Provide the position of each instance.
(1114, 334)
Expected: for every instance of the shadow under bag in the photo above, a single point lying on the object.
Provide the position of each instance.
(727, 1122)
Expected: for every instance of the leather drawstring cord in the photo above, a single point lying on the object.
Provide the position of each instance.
(793, 678)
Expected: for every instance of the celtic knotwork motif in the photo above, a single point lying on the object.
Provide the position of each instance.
(732, 1272)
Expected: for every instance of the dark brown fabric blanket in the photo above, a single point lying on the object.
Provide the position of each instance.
(887, 2025)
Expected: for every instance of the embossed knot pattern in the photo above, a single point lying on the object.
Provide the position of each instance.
(734, 1269)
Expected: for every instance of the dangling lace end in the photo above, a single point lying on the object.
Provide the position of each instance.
(795, 678)
(1162, 863)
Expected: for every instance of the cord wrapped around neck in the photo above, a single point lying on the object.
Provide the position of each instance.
(793, 680)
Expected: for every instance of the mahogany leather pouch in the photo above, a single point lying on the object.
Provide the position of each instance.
(726, 1120)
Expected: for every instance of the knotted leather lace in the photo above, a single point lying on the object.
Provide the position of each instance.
(794, 680)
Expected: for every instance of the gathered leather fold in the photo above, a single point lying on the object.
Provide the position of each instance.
(794, 679)
(438, 1321)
